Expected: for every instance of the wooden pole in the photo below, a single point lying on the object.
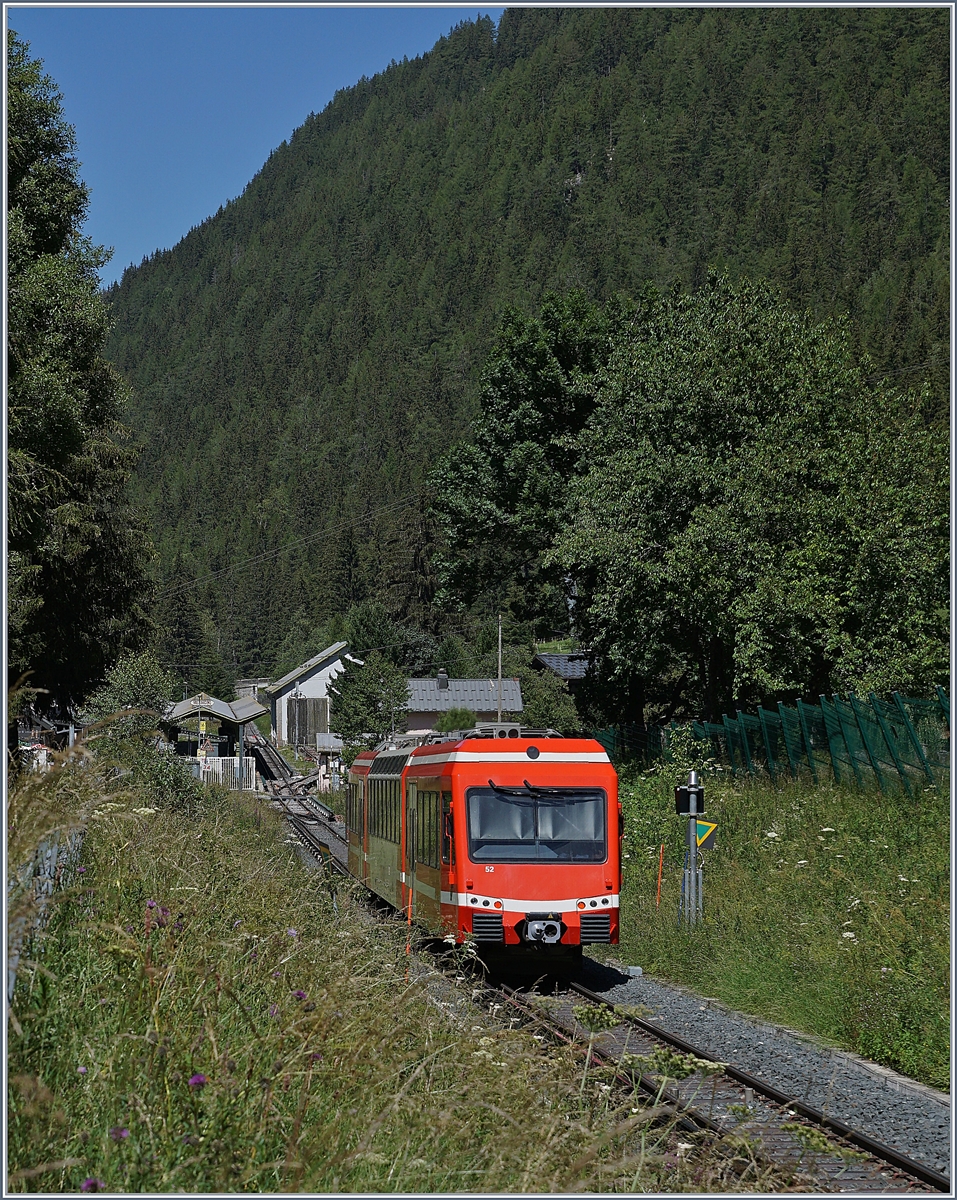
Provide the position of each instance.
(499, 668)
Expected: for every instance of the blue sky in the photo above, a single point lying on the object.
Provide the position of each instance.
(176, 109)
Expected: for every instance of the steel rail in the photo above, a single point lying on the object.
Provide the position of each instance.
(888, 1154)
(690, 1119)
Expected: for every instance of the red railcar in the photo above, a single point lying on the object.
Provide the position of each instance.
(512, 838)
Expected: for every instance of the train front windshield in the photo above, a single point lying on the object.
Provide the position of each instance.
(530, 824)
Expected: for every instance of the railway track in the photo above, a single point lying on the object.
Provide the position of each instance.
(729, 1104)
(316, 827)
(721, 1101)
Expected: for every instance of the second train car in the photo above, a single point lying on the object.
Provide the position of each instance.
(507, 836)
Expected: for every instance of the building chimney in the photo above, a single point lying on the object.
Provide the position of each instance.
(443, 679)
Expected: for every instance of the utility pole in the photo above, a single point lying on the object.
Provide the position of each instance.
(499, 668)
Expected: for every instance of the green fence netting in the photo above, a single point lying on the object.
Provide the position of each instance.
(887, 742)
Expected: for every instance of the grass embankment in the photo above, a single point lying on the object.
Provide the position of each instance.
(825, 909)
(204, 1018)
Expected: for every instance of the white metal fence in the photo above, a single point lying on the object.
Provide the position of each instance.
(226, 772)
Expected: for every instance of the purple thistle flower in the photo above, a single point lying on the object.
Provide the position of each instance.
(129, 929)
(117, 1133)
(197, 1081)
(277, 974)
(150, 903)
(92, 1185)
(299, 994)
(292, 932)
(81, 870)
(81, 1070)
(161, 919)
(316, 1056)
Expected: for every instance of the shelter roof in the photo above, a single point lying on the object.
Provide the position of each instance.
(336, 650)
(568, 666)
(248, 708)
(478, 695)
(240, 712)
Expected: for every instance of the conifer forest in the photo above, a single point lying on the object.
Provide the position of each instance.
(630, 324)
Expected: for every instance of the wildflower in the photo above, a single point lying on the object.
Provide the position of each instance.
(277, 974)
(81, 1070)
(292, 932)
(129, 929)
(117, 1133)
(162, 918)
(150, 903)
(92, 1185)
(316, 1056)
(299, 994)
(81, 870)
(197, 1081)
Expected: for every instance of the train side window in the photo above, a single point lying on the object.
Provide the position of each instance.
(427, 828)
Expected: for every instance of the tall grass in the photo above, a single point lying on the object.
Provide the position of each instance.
(207, 1015)
(825, 909)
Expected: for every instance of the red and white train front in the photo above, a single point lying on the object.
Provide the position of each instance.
(528, 833)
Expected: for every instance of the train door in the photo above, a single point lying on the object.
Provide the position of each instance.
(408, 866)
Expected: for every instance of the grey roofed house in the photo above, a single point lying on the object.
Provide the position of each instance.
(428, 698)
(568, 666)
(335, 651)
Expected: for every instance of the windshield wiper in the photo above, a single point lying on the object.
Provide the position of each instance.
(532, 794)
(507, 791)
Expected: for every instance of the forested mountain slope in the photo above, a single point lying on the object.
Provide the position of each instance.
(302, 359)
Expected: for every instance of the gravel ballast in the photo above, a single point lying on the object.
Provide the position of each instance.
(900, 1112)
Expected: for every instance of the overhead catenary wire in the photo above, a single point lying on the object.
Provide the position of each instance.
(321, 535)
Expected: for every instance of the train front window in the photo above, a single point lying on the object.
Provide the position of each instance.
(536, 824)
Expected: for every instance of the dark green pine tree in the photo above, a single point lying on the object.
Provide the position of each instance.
(78, 557)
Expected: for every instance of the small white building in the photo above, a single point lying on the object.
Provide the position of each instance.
(299, 702)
